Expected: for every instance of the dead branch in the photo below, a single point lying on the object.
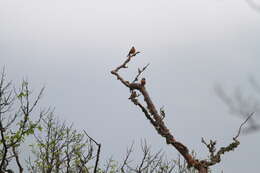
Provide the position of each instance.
(216, 158)
(240, 127)
(156, 119)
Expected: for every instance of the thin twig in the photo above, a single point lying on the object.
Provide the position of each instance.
(98, 151)
(91, 138)
(128, 153)
(239, 130)
(140, 71)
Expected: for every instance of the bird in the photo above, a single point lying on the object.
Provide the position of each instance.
(143, 81)
(132, 51)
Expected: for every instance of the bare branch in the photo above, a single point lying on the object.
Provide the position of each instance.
(238, 133)
(216, 158)
(211, 146)
(140, 71)
(156, 119)
(98, 152)
(128, 153)
(16, 155)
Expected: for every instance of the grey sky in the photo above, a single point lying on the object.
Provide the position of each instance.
(71, 46)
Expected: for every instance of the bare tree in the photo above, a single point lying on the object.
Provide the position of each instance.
(156, 118)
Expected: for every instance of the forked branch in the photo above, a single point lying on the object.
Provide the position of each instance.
(156, 119)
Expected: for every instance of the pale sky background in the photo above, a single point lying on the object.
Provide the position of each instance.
(71, 46)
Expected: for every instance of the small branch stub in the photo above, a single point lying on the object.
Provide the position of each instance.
(143, 81)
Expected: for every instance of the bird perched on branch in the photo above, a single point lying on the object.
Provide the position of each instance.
(132, 51)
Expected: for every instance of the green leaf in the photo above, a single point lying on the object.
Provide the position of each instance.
(39, 128)
(21, 95)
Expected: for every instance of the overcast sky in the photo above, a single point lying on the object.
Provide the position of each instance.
(71, 46)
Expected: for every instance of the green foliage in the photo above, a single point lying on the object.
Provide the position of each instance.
(60, 148)
(22, 94)
(16, 122)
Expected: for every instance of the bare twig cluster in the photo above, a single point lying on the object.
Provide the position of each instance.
(155, 117)
(150, 162)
